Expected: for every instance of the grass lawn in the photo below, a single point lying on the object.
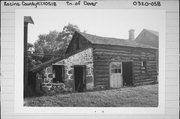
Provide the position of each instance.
(140, 96)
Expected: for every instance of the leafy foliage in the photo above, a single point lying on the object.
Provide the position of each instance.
(32, 60)
(51, 45)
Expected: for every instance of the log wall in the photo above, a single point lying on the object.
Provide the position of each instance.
(104, 54)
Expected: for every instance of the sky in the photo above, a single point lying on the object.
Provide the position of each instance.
(102, 22)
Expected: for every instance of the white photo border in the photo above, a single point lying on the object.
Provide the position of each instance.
(19, 103)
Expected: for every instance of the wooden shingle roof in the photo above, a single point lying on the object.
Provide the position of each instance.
(52, 61)
(45, 64)
(113, 41)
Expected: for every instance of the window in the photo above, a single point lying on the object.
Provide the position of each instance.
(143, 66)
(58, 71)
(116, 67)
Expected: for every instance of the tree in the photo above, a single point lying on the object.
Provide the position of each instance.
(67, 33)
(54, 43)
(32, 60)
(46, 43)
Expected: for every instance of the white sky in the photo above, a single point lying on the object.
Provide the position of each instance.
(107, 23)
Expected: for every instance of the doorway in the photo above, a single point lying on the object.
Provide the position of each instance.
(79, 78)
(116, 79)
(59, 73)
(127, 74)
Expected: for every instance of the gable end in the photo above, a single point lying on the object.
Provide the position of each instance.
(77, 43)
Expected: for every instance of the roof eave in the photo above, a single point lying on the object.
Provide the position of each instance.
(28, 19)
(126, 46)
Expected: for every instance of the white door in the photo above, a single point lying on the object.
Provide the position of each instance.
(116, 80)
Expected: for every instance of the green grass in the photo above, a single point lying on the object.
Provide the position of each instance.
(140, 96)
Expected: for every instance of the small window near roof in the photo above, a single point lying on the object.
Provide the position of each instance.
(143, 66)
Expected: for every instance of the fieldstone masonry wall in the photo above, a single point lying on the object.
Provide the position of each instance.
(82, 58)
(48, 77)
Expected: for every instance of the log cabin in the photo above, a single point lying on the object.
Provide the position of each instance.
(93, 63)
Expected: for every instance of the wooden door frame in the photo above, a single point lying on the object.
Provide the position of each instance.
(132, 71)
(84, 74)
(110, 70)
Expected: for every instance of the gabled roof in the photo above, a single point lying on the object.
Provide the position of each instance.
(112, 41)
(153, 32)
(148, 37)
